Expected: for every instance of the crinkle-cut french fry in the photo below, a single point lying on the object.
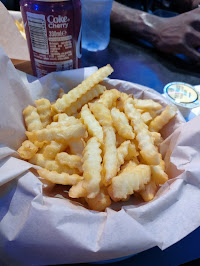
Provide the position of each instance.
(41, 150)
(77, 146)
(149, 191)
(100, 202)
(110, 160)
(119, 140)
(88, 97)
(101, 113)
(27, 150)
(129, 165)
(127, 183)
(146, 117)
(146, 104)
(57, 124)
(77, 191)
(153, 114)
(92, 167)
(132, 152)
(65, 121)
(31, 136)
(55, 117)
(71, 97)
(141, 159)
(140, 110)
(59, 178)
(161, 120)
(44, 110)
(121, 100)
(32, 118)
(39, 144)
(157, 139)
(61, 93)
(73, 161)
(64, 117)
(91, 123)
(53, 112)
(145, 142)
(121, 124)
(53, 148)
(60, 133)
(122, 152)
(51, 165)
(109, 97)
(158, 172)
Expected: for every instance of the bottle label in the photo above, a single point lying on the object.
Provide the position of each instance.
(51, 40)
(53, 32)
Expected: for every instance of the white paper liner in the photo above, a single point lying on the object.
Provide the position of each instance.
(11, 39)
(36, 229)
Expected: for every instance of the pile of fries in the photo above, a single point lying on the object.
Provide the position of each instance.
(20, 26)
(102, 143)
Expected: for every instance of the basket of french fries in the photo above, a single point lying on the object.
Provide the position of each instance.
(95, 169)
(103, 143)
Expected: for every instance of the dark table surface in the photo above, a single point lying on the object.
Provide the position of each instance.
(139, 63)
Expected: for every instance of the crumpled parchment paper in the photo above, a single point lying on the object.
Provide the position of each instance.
(37, 229)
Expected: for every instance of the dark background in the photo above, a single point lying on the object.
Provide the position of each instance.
(11, 4)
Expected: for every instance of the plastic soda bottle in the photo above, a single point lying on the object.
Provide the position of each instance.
(53, 32)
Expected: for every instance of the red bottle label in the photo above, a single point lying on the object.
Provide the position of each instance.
(54, 37)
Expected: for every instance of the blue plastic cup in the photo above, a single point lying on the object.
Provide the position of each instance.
(96, 24)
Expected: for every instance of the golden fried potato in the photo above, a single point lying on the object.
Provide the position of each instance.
(149, 191)
(145, 142)
(73, 161)
(50, 151)
(129, 165)
(146, 104)
(59, 178)
(71, 97)
(92, 167)
(157, 139)
(89, 96)
(121, 100)
(110, 159)
(59, 133)
(136, 178)
(101, 113)
(27, 150)
(44, 110)
(161, 120)
(158, 172)
(32, 118)
(91, 123)
(146, 117)
(52, 165)
(78, 191)
(100, 202)
(121, 124)
(77, 146)
(132, 151)
(109, 97)
(122, 152)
